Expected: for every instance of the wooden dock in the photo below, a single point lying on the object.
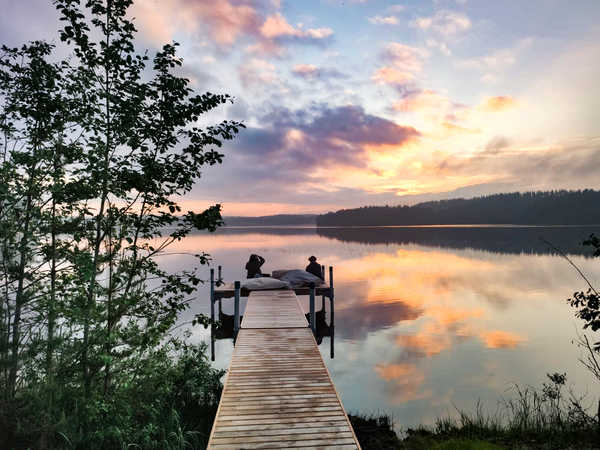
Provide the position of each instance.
(278, 392)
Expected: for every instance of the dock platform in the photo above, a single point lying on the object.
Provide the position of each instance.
(278, 392)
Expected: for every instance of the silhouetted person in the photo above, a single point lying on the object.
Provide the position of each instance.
(253, 265)
(314, 267)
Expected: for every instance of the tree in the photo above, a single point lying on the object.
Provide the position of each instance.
(587, 304)
(97, 150)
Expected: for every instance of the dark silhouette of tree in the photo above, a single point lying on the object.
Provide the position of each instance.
(94, 152)
(528, 208)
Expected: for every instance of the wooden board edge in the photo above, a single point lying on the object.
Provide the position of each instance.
(336, 392)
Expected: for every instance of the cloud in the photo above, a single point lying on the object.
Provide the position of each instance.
(302, 139)
(441, 46)
(494, 63)
(392, 76)
(407, 379)
(404, 56)
(501, 339)
(396, 8)
(362, 318)
(570, 165)
(447, 23)
(497, 60)
(422, 100)
(383, 20)
(424, 344)
(498, 103)
(402, 64)
(224, 20)
(276, 27)
(257, 72)
(310, 71)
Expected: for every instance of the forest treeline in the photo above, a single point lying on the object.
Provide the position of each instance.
(274, 220)
(559, 207)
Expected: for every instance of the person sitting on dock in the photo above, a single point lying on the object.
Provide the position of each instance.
(253, 266)
(314, 267)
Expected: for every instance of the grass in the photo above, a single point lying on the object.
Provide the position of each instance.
(532, 419)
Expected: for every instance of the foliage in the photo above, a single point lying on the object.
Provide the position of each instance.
(94, 152)
(587, 302)
(529, 208)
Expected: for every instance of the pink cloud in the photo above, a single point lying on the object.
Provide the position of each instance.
(404, 56)
(402, 63)
(224, 20)
(305, 69)
(389, 75)
(277, 26)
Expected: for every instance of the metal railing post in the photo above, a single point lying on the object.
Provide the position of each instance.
(332, 318)
(312, 321)
(323, 296)
(212, 314)
(236, 318)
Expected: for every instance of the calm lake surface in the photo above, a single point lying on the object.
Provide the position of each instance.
(426, 319)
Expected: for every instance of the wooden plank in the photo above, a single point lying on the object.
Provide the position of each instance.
(273, 309)
(227, 290)
(278, 392)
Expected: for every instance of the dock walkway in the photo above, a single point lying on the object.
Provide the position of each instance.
(278, 392)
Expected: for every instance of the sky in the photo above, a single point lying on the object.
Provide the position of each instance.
(364, 102)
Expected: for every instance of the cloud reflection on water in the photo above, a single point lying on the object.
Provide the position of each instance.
(422, 328)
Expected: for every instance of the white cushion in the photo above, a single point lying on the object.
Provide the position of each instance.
(301, 278)
(264, 283)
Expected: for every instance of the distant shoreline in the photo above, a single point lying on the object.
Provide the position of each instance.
(474, 225)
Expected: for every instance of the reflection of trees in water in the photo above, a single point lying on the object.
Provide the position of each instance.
(492, 239)
(496, 239)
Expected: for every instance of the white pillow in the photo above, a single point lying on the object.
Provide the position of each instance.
(264, 283)
(301, 278)
(279, 273)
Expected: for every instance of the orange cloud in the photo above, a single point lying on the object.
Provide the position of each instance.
(426, 344)
(501, 339)
(393, 371)
(453, 129)
(422, 100)
(407, 381)
(498, 103)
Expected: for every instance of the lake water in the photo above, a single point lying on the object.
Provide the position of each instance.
(426, 319)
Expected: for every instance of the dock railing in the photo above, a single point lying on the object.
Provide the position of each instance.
(237, 294)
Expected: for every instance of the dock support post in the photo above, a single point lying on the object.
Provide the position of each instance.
(332, 308)
(236, 318)
(312, 320)
(212, 314)
(323, 296)
(220, 283)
